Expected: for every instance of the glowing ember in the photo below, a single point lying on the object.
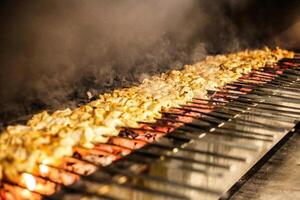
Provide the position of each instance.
(44, 169)
(29, 181)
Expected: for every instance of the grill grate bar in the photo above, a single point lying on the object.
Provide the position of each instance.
(237, 112)
(292, 60)
(200, 125)
(269, 89)
(201, 137)
(65, 194)
(244, 99)
(147, 177)
(213, 131)
(263, 108)
(243, 132)
(231, 116)
(260, 92)
(237, 158)
(247, 108)
(125, 187)
(220, 120)
(263, 102)
(84, 187)
(165, 156)
(116, 174)
(135, 159)
(246, 132)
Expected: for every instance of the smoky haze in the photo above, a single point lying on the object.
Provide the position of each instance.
(52, 52)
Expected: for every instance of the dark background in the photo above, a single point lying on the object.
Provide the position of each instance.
(52, 51)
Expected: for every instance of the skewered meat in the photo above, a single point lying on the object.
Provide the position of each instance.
(48, 138)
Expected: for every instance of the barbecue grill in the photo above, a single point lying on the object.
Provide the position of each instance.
(195, 151)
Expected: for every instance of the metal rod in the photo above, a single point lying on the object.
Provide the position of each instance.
(269, 86)
(274, 85)
(184, 159)
(109, 175)
(64, 192)
(289, 75)
(179, 137)
(236, 134)
(246, 132)
(269, 98)
(245, 107)
(245, 99)
(188, 149)
(257, 91)
(228, 120)
(282, 81)
(292, 60)
(201, 138)
(133, 164)
(287, 78)
(159, 179)
(293, 72)
(261, 107)
(259, 113)
(249, 100)
(284, 94)
(117, 169)
(233, 134)
(235, 104)
(236, 113)
(216, 121)
(115, 184)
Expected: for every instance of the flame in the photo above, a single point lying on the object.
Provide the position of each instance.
(44, 169)
(29, 181)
